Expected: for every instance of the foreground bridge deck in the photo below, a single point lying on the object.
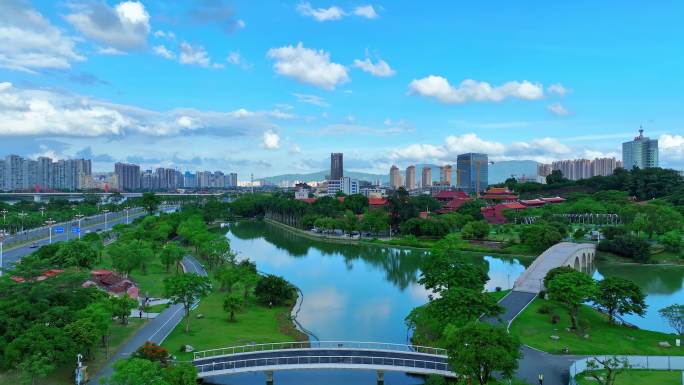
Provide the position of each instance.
(323, 355)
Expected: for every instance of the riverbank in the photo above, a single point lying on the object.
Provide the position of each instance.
(535, 328)
(474, 251)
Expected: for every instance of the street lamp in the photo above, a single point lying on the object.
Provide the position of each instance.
(79, 217)
(49, 224)
(105, 211)
(4, 216)
(541, 378)
(126, 209)
(42, 211)
(22, 215)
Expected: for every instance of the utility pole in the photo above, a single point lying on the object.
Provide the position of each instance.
(79, 217)
(49, 224)
(126, 210)
(22, 215)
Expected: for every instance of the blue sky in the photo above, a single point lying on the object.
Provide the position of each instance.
(273, 87)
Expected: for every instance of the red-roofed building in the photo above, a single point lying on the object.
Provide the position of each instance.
(500, 194)
(449, 195)
(377, 202)
(112, 283)
(308, 200)
(453, 205)
(494, 214)
(533, 202)
(553, 200)
(423, 215)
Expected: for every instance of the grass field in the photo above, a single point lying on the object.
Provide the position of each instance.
(499, 294)
(65, 375)
(536, 329)
(639, 377)
(254, 324)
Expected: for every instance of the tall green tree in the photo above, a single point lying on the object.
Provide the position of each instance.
(479, 350)
(571, 289)
(150, 201)
(186, 289)
(122, 306)
(76, 253)
(620, 296)
(171, 254)
(232, 304)
(274, 290)
(137, 371)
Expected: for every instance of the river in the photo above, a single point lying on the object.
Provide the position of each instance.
(363, 293)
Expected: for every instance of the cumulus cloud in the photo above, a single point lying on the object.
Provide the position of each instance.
(543, 150)
(320, 14)
(557, 89)
(308, 66)
(474, 91)
(124, 27)
(165, 34)
(380, 68)
(217, 12)
(236, 58)
(271, 140)
(311, 99)
(28, 41)
(194, 55)
(672, 148)
(28, 112)
(558, 109)
(164, 52)
(366, 11)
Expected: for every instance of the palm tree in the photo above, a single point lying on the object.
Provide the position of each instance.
(231, 304)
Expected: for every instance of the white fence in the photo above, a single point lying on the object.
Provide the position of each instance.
(635, 362)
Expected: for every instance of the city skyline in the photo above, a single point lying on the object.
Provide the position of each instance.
(558, 97)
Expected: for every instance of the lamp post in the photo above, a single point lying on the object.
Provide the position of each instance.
(105, 211)
(49, 224)
(42, 211)
(126, 209)
(541, 378)
(2, 239)
(22, 215)
(79, 217)
(4, 216)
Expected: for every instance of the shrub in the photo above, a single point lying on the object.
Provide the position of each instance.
(555, 319)
(628, 246)
(545, 309)
(475, 230)
(274, 290)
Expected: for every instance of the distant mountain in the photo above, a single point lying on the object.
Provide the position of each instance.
(320, 175)
(500, 171)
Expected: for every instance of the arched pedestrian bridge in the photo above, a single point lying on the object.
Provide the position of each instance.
(381, 357)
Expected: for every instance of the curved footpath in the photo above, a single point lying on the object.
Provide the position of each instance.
(156, 330)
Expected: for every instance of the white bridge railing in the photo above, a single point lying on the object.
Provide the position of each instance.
(328, 361)
(319, 345)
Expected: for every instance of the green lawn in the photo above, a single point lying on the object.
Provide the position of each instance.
(152, 282)
(157, 308)
(64, 375)
(639, 377)
(535, 330)
(254, 324)
(499, 294)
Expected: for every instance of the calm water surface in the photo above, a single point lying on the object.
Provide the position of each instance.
(363, 293)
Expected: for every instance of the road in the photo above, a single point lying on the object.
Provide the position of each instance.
(156, 330)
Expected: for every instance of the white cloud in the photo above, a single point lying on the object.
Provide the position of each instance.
(165, 34)
(311, 99)
(366, 11)
(558, 109)
(542, 150)
(308, 66)
(28, 41)
(162, 51)
(320, 14)
(28, 112)
(194, 55)
(381, 68)
(124, 27)
(236, 58)
(474, 91)
(672, 146)
(109, 51)
(240, 24)
(271, 140)
(557, 89)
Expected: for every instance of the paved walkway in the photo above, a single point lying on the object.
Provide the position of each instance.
(156, 330)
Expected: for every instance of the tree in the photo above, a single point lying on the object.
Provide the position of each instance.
(447, 268)
(84, 333)
(136, 371)
(472, 209)
(605, 370)
(479, 349)
(152, 352)
(674, 315)
(149, 201)
(357, 203)
(228, 276)
(555, 177)
(76, 253)
(375, 221)
(124, 256)
(571, 289)
(171, 254)
(122, 306)
(274, 290)
(185, 289)
(180, 374)
(475, 230)
(349, 222)
(639, 223)
(540, 236)
(620, 296)
(231, 304)
(672, 240)
(35, 365)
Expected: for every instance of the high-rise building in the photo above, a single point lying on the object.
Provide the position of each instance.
(642, 152)
(232, 182)
(395, 177)
(604, 166)
(544, 170)
(336, 166)
(473, 169)
(445, 175)
(410, 178)
(128, 176)
(426, 180)
(345, 184)
(576, 169)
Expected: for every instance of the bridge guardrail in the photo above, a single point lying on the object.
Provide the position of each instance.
(635, 362)
(322, 360)
(318, 345)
